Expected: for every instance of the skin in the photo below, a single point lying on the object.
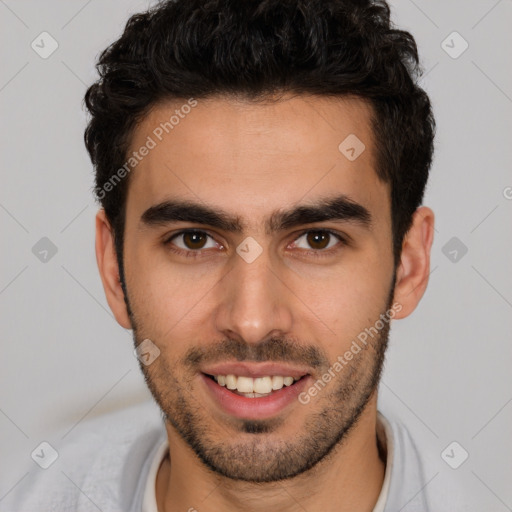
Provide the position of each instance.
(251, 160)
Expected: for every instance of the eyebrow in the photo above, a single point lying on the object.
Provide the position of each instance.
(338, 208)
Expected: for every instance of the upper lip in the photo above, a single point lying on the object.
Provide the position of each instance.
(255, 370)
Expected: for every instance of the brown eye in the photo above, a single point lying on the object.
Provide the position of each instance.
(318, 239)
(194, 240)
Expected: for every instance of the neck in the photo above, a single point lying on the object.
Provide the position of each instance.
(349, 478)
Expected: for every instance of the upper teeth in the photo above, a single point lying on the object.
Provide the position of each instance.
(257, 385)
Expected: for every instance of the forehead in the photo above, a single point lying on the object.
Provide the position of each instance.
(254, 158)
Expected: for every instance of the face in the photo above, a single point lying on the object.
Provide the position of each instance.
(252, 240)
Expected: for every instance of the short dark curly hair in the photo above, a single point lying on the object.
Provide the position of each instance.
(256, 49)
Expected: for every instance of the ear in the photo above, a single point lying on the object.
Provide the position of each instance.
(109, 269)
(414, 268)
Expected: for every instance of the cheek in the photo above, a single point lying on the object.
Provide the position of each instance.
(166, 296)
(342, 302)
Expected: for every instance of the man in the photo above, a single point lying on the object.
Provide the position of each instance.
(260, 167)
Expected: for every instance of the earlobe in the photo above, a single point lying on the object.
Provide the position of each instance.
(414, 268)
(109, 269)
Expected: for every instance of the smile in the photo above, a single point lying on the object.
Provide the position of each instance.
(254, 398)
(253, 387)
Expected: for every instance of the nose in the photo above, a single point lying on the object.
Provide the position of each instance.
(254, 303)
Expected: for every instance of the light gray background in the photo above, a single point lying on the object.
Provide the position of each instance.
(64, 358)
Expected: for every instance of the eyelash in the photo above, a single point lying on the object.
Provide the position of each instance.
(318, 253)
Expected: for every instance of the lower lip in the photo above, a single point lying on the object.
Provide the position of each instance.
(255, 408)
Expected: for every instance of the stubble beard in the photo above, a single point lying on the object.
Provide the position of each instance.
(252, 450)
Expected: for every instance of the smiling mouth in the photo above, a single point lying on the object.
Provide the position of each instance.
(257, 387)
